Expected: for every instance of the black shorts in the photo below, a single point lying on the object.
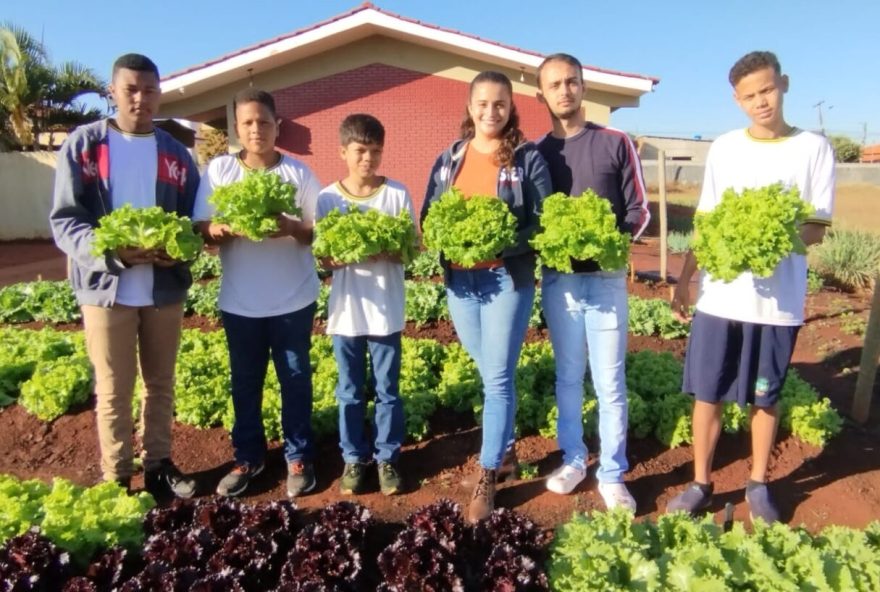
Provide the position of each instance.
(736, 361)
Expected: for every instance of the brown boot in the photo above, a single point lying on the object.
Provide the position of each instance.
(483, 499)
(508, 471)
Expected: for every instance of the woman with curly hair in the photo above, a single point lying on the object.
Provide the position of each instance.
(490, 302)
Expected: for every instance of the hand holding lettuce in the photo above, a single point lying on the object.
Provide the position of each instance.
(151, 234)
(750, 231)
(468, 230)
(581, 228)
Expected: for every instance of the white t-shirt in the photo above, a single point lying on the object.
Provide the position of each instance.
(366, 298)
(134, 165)
(273, 276)
(736, 159)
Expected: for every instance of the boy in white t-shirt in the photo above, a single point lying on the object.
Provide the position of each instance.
(365, 313)
(744, 332)
(267, 299)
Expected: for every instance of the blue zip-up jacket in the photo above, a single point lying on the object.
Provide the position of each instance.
(522, 188)
(82, 195)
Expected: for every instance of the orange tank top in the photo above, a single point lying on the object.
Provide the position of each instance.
(478, 175)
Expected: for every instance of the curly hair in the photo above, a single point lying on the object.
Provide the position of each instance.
(511, 135)
(752, 62)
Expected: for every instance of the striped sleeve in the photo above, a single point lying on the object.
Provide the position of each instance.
(633, 187)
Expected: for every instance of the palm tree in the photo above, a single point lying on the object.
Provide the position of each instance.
(34, 95)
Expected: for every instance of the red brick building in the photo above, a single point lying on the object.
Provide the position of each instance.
(413, 76)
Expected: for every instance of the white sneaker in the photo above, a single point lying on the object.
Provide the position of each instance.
(616, 495)
(564, 479)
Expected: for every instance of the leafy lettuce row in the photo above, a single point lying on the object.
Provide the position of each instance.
(613, 552)
(432, 376)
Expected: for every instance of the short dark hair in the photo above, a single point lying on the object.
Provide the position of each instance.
(254, 95)
(560, 57)
(752, 62)
(361, 128)
(134, 61)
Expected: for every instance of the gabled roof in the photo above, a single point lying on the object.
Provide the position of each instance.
(367, 20)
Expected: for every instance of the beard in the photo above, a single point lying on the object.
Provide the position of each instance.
(565, 114)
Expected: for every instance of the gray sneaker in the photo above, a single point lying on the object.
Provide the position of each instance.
(761, 503)
(354, 478)
(390, 481)
(694, 498)
(238, 479)
(300, 478)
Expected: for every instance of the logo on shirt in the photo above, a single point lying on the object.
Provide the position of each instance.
(514, 175)
(172, 170)
(762, 385)
(95, 164)
(444, 173)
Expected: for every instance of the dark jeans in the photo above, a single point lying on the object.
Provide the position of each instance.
(388, 426)
(288, 339)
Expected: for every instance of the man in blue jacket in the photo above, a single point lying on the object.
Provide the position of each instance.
(586, 310)
(132, 299)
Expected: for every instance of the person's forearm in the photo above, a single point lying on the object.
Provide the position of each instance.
(688, 269)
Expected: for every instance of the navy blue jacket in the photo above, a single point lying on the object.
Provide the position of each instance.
(522, 188)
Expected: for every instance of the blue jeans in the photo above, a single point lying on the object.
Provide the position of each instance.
(288, 338)
(491, 317)
(388, 424)
(587, 316)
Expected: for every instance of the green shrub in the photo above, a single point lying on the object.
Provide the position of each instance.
(845, 149)
(815, 281)
(851, 257)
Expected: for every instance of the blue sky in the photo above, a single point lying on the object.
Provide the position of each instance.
(828, 49)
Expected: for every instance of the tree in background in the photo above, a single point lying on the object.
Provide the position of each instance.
(36, 96)
(845, 149)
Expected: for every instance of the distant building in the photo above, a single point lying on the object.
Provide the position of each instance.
(684, 149)
(410, 74)
(871, 154)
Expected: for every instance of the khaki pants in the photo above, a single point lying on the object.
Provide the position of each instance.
(116, 337)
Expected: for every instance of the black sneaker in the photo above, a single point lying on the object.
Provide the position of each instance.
(238, 479)
(300, 478)
(167, 479)
(390, 481)
(354, 478)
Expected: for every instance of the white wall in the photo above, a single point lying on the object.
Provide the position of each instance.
(26, 182)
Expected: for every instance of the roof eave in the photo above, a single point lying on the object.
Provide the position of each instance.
(368, 21)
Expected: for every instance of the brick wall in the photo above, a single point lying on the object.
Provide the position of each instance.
(421, 114)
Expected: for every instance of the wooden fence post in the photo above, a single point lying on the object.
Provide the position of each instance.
(861, 407)
(661, 182)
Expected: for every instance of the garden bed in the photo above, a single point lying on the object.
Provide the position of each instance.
(816, 487)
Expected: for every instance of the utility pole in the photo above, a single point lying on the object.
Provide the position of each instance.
(819, 107)
(864, 133)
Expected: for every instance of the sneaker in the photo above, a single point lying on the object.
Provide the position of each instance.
(166, 479)
(238, 479)
(300, 478)
(616, 495)
(694, 498)
(564, 479)
(354, 478)
(390, 481)
(761, 503)
(483, 499)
